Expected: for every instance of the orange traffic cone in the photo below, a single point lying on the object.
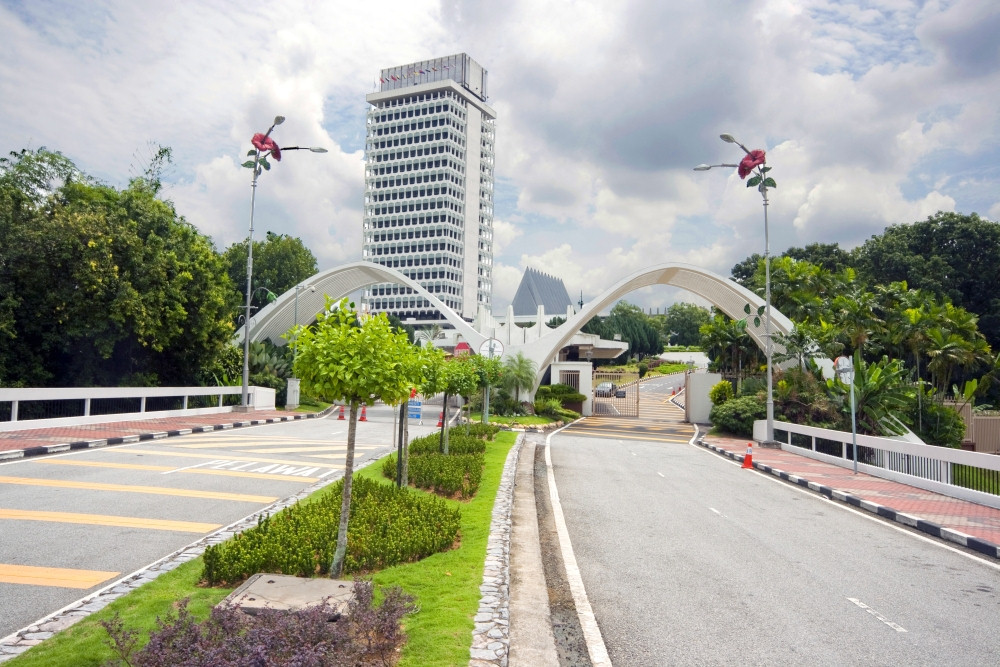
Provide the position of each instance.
(341, 417)
(364, 413)
(748, 459)
(673, 391)
(440, 419)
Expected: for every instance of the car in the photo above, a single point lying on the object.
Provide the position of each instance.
(619, 393)
(605, 390)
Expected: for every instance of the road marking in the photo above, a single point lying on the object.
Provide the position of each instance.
(660, 474)
(125, 488)
(894, 626)
(717, 511)
(588, 622)
(215, 457)
(52, 576)
(847, 508)
(107, 520)
(276, 475)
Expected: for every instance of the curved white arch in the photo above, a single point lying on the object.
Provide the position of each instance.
(278, 317)
(726, 295)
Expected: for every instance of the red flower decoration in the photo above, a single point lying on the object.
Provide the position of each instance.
(264, 143)
(752, 160)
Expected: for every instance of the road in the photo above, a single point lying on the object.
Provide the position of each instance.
(74, 523)
(689, 559)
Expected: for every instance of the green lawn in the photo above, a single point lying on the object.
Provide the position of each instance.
(523, 420)
(446, 586)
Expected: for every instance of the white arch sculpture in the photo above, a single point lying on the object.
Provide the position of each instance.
(278, 317)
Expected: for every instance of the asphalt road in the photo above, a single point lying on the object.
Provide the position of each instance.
(689, 559)
(75, 523)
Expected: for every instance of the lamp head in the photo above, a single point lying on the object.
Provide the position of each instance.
(703, 167)
(728, 138)
(278, 120)
(318, 150)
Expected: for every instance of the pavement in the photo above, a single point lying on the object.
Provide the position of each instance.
(963, 523)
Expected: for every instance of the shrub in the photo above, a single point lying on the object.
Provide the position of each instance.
(388, 526)
(458, 443)
(737, 415)
(548, 407)
(800, 398)
(721, 392)
(365, 635)
(448, 475)
(643, 369)
(752, 386)
(941, 425)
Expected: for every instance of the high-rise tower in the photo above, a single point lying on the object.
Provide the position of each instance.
(429, 187)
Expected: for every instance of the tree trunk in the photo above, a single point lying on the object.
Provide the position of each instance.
(406, 452)
(444, 426)
(337, 566)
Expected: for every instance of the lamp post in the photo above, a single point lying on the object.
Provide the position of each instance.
(753, 163)
(264, 146)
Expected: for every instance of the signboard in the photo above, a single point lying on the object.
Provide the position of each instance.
(413, 408)
(491, 348)
(844, 368)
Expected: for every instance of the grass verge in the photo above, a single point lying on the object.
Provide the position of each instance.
(446, 587)
(523, 420)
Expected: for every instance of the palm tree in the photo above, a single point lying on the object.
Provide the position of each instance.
(519, 373)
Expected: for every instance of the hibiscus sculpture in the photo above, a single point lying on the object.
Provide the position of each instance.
(264, 146)
(754, 160)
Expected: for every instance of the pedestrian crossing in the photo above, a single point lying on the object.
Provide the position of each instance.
(659, 420)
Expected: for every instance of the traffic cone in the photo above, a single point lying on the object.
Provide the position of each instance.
(748, 459)
(341, 417)
(364, 413)
(673, 391)
(440, 419)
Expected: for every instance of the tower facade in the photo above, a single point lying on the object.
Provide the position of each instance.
(429, 158)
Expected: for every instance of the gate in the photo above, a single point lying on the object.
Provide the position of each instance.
(616, 394)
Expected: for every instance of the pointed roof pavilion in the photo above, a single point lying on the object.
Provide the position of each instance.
(540, 289)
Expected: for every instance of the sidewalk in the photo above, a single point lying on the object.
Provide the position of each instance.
(39, 441)
(967, 524)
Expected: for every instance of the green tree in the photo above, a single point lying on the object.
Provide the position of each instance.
(141, 296)
(949, 254)
(280, 262)
(340, 359)
(682, 323)
(519, 374)
(881, 394)
(633, 325)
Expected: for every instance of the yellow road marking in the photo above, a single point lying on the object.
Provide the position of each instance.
(300, 450)
(107, 520)
(215, 457)
(262, 442)
(52, 576)
(193, 471)
(125, 488)
(617, 435)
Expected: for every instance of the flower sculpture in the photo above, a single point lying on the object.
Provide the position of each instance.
(263, 147)
(264, 143)
(756, 160)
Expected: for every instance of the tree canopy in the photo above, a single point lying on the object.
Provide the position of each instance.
(101, 286)
(280, 262)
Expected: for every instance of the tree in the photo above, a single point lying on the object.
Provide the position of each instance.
(881, 392)
(632, 324)
(141, 296)
(682, 323)
(341, 359)
(519, 373)
(948, 254)
(280, 262)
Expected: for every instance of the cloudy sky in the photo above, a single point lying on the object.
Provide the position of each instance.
(872, 113)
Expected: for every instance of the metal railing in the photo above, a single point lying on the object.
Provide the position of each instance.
(972, 476)
(44, 408)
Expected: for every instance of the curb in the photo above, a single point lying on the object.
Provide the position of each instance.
(941, 532)
(41, 450)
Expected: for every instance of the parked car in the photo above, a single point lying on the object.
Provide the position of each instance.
(619, 392)
(605, 390)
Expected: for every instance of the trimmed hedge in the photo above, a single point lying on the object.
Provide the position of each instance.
(456, 474)
(737, 415)
(388, 526)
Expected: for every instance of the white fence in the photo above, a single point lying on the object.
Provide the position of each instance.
(972, 476)
(46, 408)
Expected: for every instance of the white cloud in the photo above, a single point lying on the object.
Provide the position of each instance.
(872, 114)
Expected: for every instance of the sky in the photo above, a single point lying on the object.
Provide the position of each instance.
(872, 113)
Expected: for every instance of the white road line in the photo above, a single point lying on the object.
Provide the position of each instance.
(588, 622)
(894, 626)
(716, 511)
(847, 508)
(660, 474)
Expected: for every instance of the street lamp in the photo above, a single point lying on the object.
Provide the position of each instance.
(753, 163)
(264, 146)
